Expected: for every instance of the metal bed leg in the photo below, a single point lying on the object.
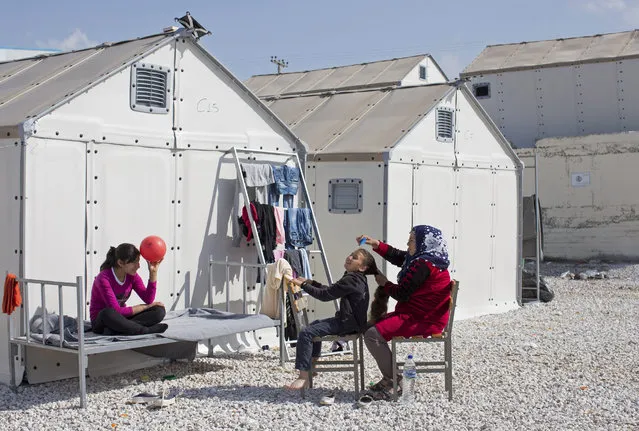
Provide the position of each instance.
(82, 359)
(83, 382)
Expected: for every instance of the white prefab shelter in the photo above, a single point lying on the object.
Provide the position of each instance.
(382, 159)
(415, 70)
(563, 87)
(111, 144)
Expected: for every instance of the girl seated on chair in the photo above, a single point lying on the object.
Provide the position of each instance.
(352, 290)
(112, 288)
(422, 293)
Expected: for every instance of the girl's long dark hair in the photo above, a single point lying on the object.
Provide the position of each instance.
(369, 261)
(125, 252)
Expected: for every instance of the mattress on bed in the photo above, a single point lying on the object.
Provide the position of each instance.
(191, 324)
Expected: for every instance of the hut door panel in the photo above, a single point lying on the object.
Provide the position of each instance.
(472, 260)
(132, 194)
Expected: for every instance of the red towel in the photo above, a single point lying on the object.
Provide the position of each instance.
(11, 298)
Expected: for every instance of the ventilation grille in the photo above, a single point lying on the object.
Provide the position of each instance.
(150, 88)
(345, 196)
(445, 124)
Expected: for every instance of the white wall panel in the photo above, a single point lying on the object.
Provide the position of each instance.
(628, 93)
(340, 230)
(505, 241)
(54, 215)
(10, 253)
(557, 102)
(473, 246)
(517, 112)
(597, 100)
(132, 190)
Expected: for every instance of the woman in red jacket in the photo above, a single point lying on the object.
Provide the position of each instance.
(422, 293)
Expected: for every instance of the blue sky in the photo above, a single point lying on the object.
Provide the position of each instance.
(319, 34)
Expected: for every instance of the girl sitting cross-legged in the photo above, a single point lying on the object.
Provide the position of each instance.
(111, 289)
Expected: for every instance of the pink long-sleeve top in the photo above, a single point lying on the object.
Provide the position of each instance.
(108, 293)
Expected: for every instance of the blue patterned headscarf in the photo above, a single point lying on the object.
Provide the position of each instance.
(430, 246)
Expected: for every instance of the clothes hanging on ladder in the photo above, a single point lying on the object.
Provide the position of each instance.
(293, 257)
(258, 177)
(280, 233)
(271, 292)
(298, 227)
(286, 180)
(266, 230)
(306, 264)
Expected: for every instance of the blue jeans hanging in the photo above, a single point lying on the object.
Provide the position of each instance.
(287, 179)
(298, 227)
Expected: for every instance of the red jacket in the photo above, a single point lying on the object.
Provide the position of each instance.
(423, 293)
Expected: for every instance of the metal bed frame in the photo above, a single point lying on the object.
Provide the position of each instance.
(83, 351)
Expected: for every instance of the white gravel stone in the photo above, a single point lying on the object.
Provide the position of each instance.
(571, 364)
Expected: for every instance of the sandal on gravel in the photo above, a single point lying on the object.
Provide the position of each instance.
(364, 401)
(142, 398)
(382, 395)
(328, 400)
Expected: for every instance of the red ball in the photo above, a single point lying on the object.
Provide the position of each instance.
(153, 248)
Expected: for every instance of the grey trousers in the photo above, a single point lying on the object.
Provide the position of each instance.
(378, 347)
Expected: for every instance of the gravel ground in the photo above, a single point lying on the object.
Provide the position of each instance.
(571, 364)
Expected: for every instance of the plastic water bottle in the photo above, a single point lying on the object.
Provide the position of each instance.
(408, 382)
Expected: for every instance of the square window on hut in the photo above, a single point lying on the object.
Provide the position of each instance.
(345, 196)
(482, 91)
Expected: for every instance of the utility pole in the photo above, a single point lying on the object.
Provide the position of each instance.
(281, 63)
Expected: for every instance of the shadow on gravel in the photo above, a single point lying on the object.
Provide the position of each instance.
(27, 396)
(269, 394)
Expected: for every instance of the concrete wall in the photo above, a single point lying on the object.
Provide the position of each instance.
(589, 196)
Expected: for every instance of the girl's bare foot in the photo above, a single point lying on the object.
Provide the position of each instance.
(302, 381)
(297, 384)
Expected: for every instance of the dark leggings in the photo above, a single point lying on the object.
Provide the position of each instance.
(111, 322)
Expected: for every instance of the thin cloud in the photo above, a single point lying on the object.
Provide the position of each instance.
(76, 40)
(626, 11)
(605, 5)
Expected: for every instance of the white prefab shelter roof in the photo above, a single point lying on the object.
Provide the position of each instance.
(32, 87)
(366, 122)
(557, 52)
(382, 73)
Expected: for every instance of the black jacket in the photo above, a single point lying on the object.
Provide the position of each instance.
(352, 290)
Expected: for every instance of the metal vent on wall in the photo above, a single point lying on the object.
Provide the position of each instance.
(445, 125)
(150, 88)
(345, 196)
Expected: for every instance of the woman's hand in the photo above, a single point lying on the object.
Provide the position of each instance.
(158, 303)
(370, 241)
(381, 279)
(298, 281)
(153, 269)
